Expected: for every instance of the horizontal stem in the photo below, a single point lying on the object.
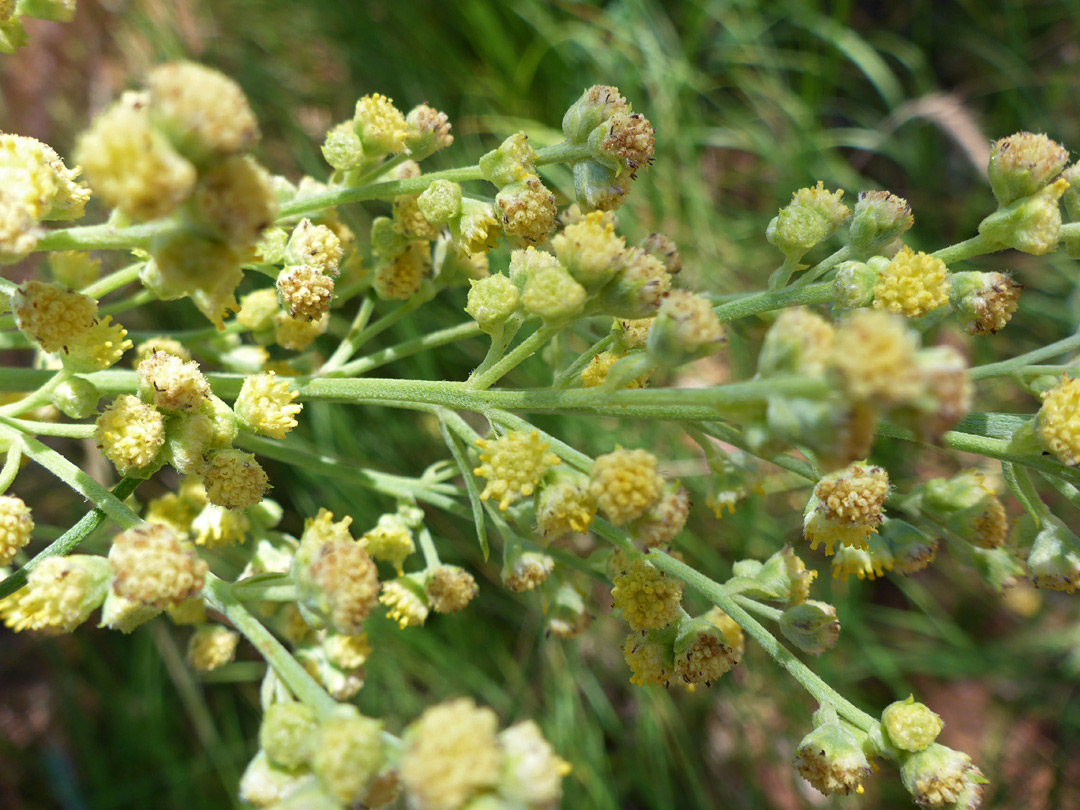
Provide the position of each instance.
(969, 248)
(757, 303)
(103, 237)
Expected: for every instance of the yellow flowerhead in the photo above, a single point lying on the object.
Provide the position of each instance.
(513, 465)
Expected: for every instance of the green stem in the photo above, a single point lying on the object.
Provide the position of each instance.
(811, 682)
(103, 237)
(427, 545)
(752, 605)
(292, 673)
(279, 588)
(345, 349)
(406, 348)
(12, 460)
(500, 342)
(1022, 487)
(824, 266)
(1004, 368)
(782, 275)
(969, 248)
(519, 354)
(114, 281)
(756, 303)
(41, 396)
(69, 540)
(468, 478)
(355, 339)
(64, 429)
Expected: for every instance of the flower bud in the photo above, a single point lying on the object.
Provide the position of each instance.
(598, 188)
(316, 246)
(911, 550)
(235, 200)
(406, 602)
(130, 434)
(124, 615)
(16, 525)
(340, 684)
(702, 653)
(348, 753)
(947, 394)
(686, 328)
(401, 277)
(204, 113)
(287, 734)
(984, 302)
(563, 505)
(514, 160)
(440, 202)
(625, 142)
(296, 334)
(387, 240)
(1054, 558)
(1000, 568)
(651, 658)
(266, 406)
(390, 541)
(590, 250)
(235, 480)
(1030, 224)
(664, 520)
(263, 785)
(941, 777)
(811, 626)
(76, 398)
(646, 597)
(911, 726)
(625, 483)
(380, 126)
(1057, 424)
(152, 567)
(971, 508)
(60, 594)
(781, 578)
(342, 148)
(532, 772)
(428, 131)
(525, 570)
(74, 269)
(638, 288)
(475, 229)
(171, 384)
(798, 342)
(874, 356)
(831, 759)
(596, 105)
(527, 210)
(812, 216)
(912, 284)
(567, 615)
(211, 646)
(1022, 164)
(449, 588)
(878, 219)
(257, 311)
(450, 754)
(661, 247)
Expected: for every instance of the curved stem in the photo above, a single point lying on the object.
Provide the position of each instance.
(64, 429)
(969, 248)
(519, 354)
(406, 348)
(12, 460)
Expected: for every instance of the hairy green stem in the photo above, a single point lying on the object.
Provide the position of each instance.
(41, 396)
(345, 349)
(69, 540)
(467, 477)
(62, 429)
(519, 354)
(103, 237)
(406, 348)
(292, 673)
(756, 303)
(969, 248)
(810, 681)
(1004, 368)
(572, 373)
(824, 266)
(12, 460)
(427, 546)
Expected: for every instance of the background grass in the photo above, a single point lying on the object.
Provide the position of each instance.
(750, 100)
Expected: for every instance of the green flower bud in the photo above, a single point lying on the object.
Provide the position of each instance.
(428, 131)
(910, 725)
(598, 188)
(287, 735)
(638, 288)
(475, 229)
(270, 249)
(798, 342)
(380, 126)
(811, 626)
(701, 652)
(1022, 164)
(263, 785)
(911, 550)
(970, 506)
(941, 777)
(1054, 559)
(184, 264)
(440, 202)
(511, 162)
(781, 578)
(567, 614)
(77, 398)
(339, 683)
(853, 284)
(385, 239)
(552, 293)
(1071, 197)
(120, 613)
(596, 105)
(60, 594)
(1031, 224)
(531, 770)
(348, 753)
(342, 148)
(812, 216)
(491, 301)
(878, 219)
(235, 200)
(661, 247)
(831, 759)
(686, 328)
(999, 567)
(984, 302)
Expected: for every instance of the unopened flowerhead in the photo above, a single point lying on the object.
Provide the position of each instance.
(314, 245)
(1058, 421)
(211, 646)
(342, 148)
(1030, 224)
(564, 504)
(874, 356)
(971, 507)
(130, 433)
(428, 131)
(475, 229)
(685, 328)
(391, 540)
(911, 550)
(596, 105)
(235, 200)
(526, 570)
(625, 483)
(650, 657)
(527, 210)
(235, 480)
(811, 217)
(855, 494)
(380, 126)
(172, 384)
(567, 615)
(53, 316)
(549, 291)
(590, 249)
(639, 286)
(296, 334)
(449, 588)
(205, 113)
(348, 753)
(216, 526)
(854, 282)
(305, 291)
(152, 567)
(131, 165)
(831, 759)
(984, 302)
(912, 284)
(287, 734)
(1054, 559)
(98, 348)
(440, 202)
(491, 301)
(337, 579)
(37, 181)
(811, 626)
(266, 405)
(702, 653)
(647, 598)
(798, 342)
(1023, 163)
(513, 465)
(60, 594)
(911, 726)
(347, 652)
(733, 633)
(451, 753)
(532, 772)
(663, 521)
(400, 277)
(405, 600)
(878, 219)
(16, 526)
(941, 777)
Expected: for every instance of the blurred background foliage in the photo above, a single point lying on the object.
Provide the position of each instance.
(750, 101)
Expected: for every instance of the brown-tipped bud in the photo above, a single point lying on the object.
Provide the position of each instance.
(527, 210)
(662, 247)
(596, 105)
(665, 519)
(305, 292)
(449, 588)
(567, 615)
(598, 188)
(940, 777)
(984, 302)
(638, 288)
(878, 219)
(911, 550)
(428, 131)
(685, 329)
(172, 384)
(623, 143)
(1023, 163)
(702, 653)
(811, 217)
(1031, 224)
(831, 759)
